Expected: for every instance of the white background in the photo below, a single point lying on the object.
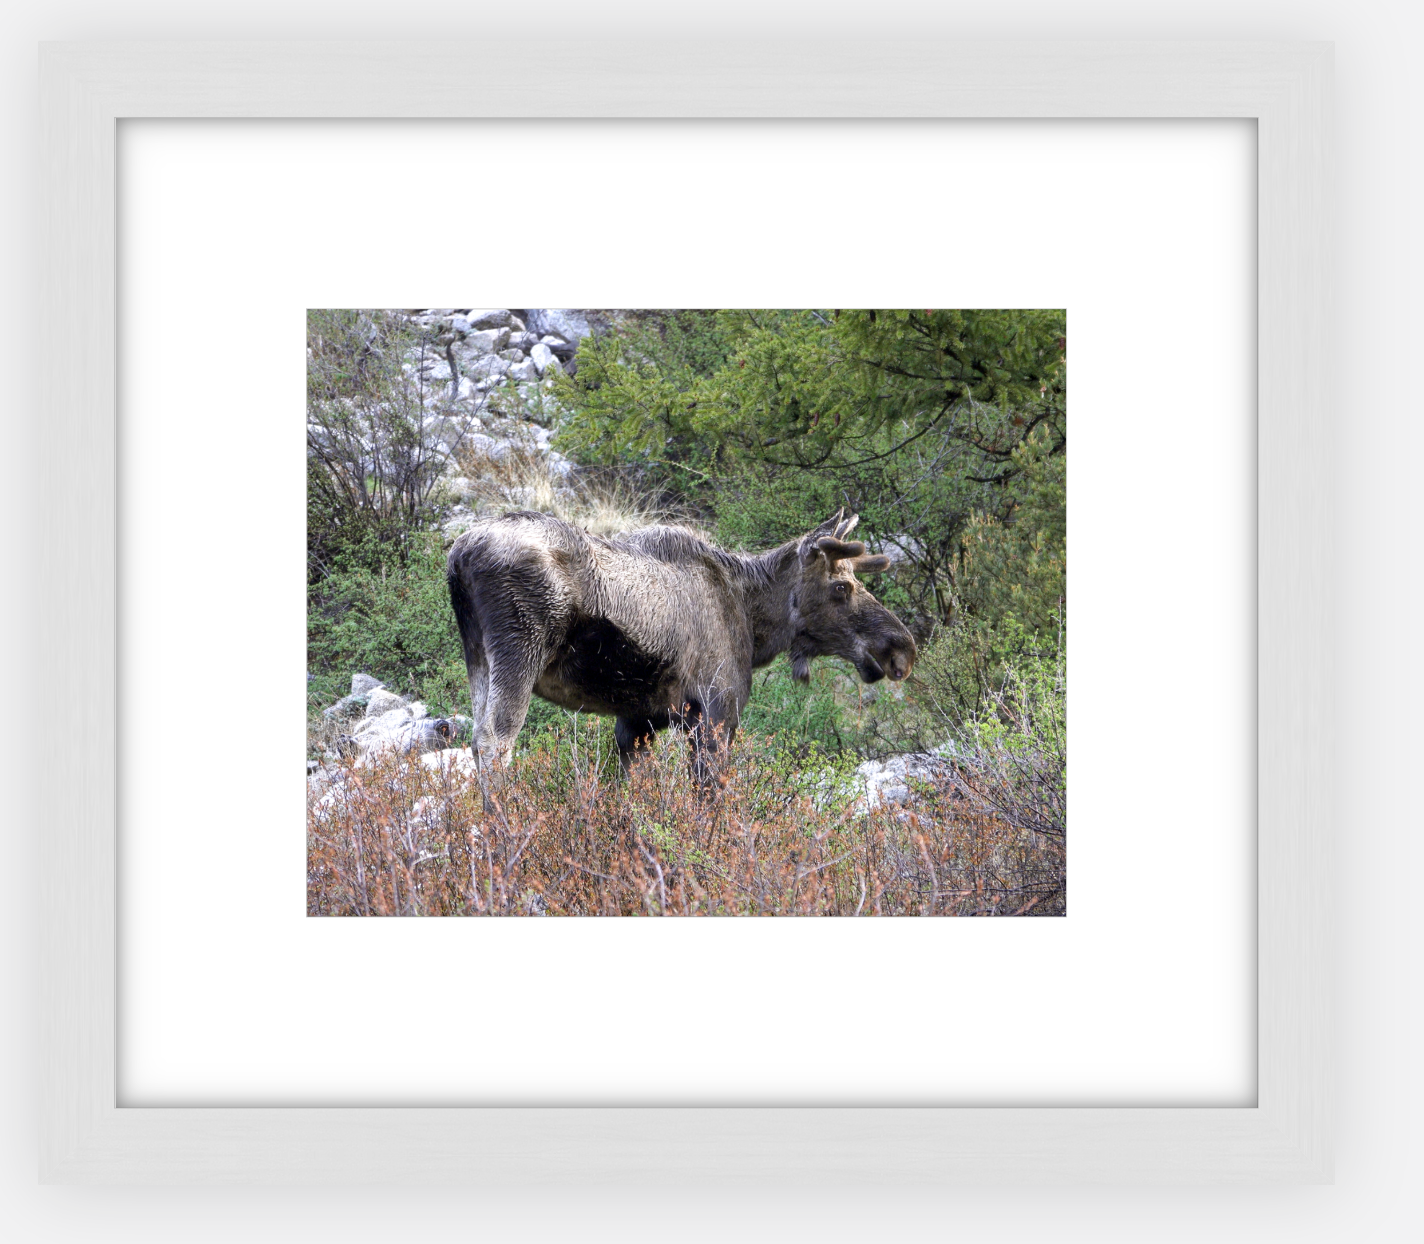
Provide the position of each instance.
(1144, 995)
(1377, 681)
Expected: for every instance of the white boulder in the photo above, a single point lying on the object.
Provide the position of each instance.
(492, 318)
(895, 780)
(570, 325)
(451, 761)
(383, 700)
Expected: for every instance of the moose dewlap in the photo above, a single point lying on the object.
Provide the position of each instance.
(656, 628)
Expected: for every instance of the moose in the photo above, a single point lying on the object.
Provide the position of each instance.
(655, 628)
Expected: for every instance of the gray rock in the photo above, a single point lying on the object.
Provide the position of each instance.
(523, 341)
(459, 520)
(488, 367)
(487, 341)
(501, 318)
(363, 683)
(527, 370)
(455, 761)
(399, 732)
(512, 355)
(482, 446)
(559, 466)
(382, 701)
(347, 706)
(562, 349)
(570, 325)
(543, 358)
(895, 780)
(319, 777)
(459, 487)
(900, 547)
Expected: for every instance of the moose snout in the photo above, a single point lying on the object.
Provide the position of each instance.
(897, 657)
(897, 664)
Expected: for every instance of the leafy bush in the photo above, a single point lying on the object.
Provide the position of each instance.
(390, 617)
(379, 433)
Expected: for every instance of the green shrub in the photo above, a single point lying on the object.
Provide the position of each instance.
(392, 621)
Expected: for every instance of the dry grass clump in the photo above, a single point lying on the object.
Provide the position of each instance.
(603, 502)
(563, 838)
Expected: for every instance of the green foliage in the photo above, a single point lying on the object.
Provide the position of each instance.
(801, 719)
(922, 421)
(1016, 746)
(1017, 565)
(390, 618)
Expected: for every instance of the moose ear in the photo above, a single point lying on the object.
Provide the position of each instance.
(837, 550)
(872, 564)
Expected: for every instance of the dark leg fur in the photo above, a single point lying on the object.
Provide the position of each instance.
(633, 736)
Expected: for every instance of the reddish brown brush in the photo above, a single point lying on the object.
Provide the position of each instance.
(407, 839)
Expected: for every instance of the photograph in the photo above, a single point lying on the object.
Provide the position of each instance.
(724, 612)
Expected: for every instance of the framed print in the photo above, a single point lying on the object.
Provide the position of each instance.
(218, 196)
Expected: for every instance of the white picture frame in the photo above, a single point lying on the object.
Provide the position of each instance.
(86, 1137)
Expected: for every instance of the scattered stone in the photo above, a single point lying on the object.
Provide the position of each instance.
(894, 780)
(571, 326)
(460, 519)
(500, 318)
(479, 445)
(900, 547)
(559, 466)
(398, 731)
(361, 684)
(383, 700)
(476, 344)
(319, 777)
(347, 706)
(489, 365)
(459, 761)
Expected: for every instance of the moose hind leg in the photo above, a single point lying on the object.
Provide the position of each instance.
(478, 669)
(505, 708)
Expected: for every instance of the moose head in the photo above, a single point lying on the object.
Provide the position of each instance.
(832, 614)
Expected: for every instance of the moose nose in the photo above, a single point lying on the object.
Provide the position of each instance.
(898, 664)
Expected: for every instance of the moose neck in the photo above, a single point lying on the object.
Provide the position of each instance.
(767, 586)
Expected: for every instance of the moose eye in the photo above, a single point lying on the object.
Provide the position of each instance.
(840, 590)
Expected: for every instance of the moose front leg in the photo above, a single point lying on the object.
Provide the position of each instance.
(634, 736)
